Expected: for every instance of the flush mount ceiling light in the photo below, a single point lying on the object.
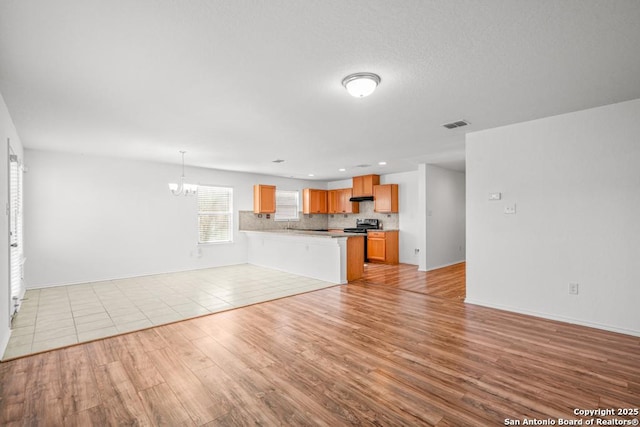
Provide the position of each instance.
(183, 188)
(360, 85)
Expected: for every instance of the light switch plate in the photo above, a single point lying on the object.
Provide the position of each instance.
(495, 196)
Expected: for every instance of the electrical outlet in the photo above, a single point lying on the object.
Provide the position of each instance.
(573, 289)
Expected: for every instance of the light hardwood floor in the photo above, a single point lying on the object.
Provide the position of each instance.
(449, 282)
(368, 353)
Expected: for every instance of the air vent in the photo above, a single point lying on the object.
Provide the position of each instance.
(363, 166)
(456, 124)
(277, 161)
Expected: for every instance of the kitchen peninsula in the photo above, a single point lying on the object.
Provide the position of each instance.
(334, 257)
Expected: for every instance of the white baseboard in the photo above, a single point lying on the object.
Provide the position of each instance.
(555, 317)
(445, 265)
(4, 341)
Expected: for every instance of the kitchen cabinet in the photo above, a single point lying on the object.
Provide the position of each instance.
(385, 198)
(363, 185)
(382, 246)
(264, 198)
(314, 201)
(332, 201)
(355, 258)
(338, 201)
(345, 205)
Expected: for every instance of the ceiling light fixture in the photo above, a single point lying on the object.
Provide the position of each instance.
(382, 163)
(183, 188)
(360, 85)
(342, 170)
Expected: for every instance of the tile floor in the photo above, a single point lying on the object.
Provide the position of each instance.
(59, 316)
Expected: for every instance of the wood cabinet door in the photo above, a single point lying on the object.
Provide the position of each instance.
(319, 201)
(314, 201)
(264, 198)
(385, 198)
(363, 185)
(369, 182)
(333, 201)
(347, 206)
(358, 186)
(376, 249)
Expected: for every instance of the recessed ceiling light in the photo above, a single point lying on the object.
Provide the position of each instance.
(360, 85)
(342, 169)
(382, 163)
(311, 174)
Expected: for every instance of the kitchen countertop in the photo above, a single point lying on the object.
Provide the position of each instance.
(310, 233)
(331, 256)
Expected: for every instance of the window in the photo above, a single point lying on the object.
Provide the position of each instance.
(286, 205)
(215, 214)
(16, 253)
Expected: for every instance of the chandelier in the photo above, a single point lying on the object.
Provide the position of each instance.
(183, 188)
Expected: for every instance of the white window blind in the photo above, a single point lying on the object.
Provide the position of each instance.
(286, 205)
(16, 253)
(215, 214)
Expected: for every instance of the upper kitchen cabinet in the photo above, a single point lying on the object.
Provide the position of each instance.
(314, 201)
(264, 198)
(338, 201)
(333, 201)
(363, 185)
(385, 198)
(345, 205)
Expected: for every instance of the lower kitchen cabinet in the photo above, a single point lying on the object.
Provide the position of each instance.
(355, 258)
(382, 246)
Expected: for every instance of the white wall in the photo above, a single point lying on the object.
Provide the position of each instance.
(408, 215)
(445, 200)
(575, 182)
(7, 133)
(90, 218)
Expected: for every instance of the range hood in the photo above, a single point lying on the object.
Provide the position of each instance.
(361, 199)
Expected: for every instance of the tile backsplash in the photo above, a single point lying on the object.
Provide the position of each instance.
(388, 221)
(250, 221)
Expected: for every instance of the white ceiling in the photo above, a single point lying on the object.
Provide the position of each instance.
(238, 84)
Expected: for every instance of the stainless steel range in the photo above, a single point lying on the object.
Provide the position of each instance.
(362, 225)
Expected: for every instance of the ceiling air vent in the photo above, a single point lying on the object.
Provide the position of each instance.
(456, 124)
(277, 161)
